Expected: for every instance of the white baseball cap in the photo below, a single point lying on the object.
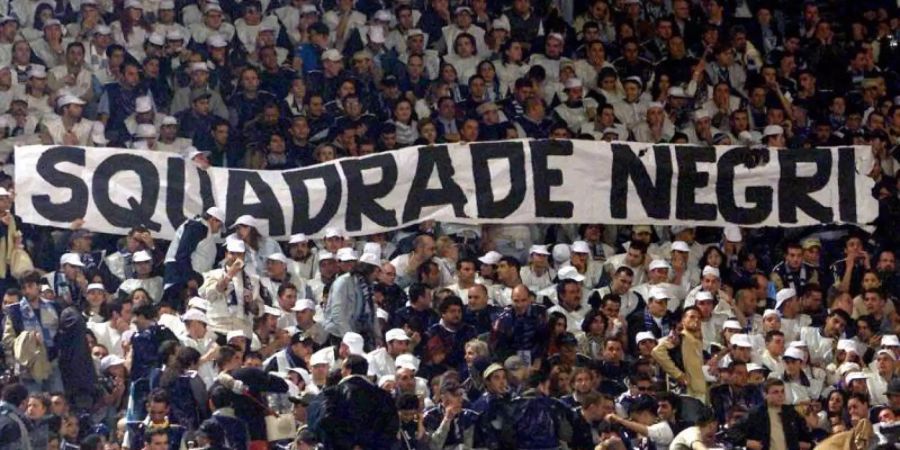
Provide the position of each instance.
(272, 311)
(246, 220)
(658, 293)
(216, 40)
(72, 259)
(174, 35)
(581, 247)
(753, 366)
(703, 296)
(539, 249)
(278, 256)
(196, 315)
(643, 336)
(680, 246)
(141, 256)
(740, 340)
(304, 304)
(396, 334)
(345, 254)
(198, 66)
(157, 39)
(370, 259)
(235, 246)
(298, 238)
(492, 257)
(732, 325)
(569, 273)
(37, 71)
(216, 212)
(407, 361)
(772, 130)
(235, 334)
(783, 296)
(143, 104)
(848, 345)
(69, 99)
(573, 83)
(198, 303)
(332, 232)
(320, 357)
(856, 376)
(354, 342)
(795, 353)
(373, 248)
(146, 131)
(95, 286)
(710, 270)
(110, 361)
(659, 264)
(332, 55)
(890, 340)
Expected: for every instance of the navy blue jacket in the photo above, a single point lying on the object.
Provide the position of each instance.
(513, 333)
(454, 343)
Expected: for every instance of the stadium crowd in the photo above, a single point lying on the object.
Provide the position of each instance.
(442, 335)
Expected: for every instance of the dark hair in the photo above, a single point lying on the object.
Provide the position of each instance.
(91, 442)
(510, 261)
(285, 287)
(185, 357)
(150, 432)
(862, 398)
(357, 365)
(226, 353)
(113, 305)
(771, 335)
(14, 393)
(448, 302)
(74, 44)
(158, 395)
(30, 276)
(219, 396)
(669, 397)
(145, 310)
(561, 286)
(462, 261)
(417, 290)
(876, 291)
(424, 269)
(590, 317)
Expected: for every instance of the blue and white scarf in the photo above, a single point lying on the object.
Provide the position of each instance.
(31, 321)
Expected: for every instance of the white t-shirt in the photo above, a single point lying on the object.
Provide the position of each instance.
(661, 435)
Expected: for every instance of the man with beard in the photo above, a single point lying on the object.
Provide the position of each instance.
(69, 128)
(681, 355)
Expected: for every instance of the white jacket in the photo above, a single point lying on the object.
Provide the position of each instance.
(225, 317)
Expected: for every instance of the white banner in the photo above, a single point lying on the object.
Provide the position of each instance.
(546, 181)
